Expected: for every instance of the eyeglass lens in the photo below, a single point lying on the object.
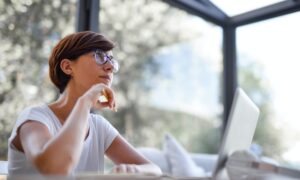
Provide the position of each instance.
(102, 58)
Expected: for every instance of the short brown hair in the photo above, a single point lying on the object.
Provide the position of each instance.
(71, 47)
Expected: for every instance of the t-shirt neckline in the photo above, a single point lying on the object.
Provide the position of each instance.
(60, 124)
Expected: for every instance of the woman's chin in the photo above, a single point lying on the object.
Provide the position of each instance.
(107, 83)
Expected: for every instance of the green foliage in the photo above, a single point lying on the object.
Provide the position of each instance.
(29, 29)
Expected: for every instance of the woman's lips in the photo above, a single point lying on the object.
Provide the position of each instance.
(107, 78)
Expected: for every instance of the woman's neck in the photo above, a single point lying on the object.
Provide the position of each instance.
(63, 106)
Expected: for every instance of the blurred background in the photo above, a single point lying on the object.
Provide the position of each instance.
(171, 71)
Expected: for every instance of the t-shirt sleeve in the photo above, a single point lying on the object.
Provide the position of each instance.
(31, 113)
(108, 132)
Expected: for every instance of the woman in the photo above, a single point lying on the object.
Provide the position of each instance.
(64, 137)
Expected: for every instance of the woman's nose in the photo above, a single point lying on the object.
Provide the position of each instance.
(108, 66)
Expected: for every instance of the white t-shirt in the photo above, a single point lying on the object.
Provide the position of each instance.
(101, 134)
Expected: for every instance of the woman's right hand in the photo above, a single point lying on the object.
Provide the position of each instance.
(92, 96)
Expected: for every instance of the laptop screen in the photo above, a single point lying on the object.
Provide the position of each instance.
(240, 127)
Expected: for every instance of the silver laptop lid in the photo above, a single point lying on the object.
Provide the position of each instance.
(240, 127)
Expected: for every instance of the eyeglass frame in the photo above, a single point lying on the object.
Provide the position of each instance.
(101, 60)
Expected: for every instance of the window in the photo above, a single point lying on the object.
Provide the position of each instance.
(268, 58)
(170, 74)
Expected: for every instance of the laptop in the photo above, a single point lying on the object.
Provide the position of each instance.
(240, 128)
(239, 132)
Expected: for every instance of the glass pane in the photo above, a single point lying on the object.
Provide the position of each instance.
(269, 71)
(29, 30)
(232, 8)
(169, 81)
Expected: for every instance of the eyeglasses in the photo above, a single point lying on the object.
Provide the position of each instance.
(101, 58)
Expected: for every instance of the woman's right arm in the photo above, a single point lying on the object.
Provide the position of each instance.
(59, 154)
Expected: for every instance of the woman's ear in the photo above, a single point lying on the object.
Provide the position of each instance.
(65, 66)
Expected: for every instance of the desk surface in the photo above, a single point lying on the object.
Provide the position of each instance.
(129, 177)
(96, 176)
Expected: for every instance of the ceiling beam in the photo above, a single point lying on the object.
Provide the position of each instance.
(271, 11)
(203, 8)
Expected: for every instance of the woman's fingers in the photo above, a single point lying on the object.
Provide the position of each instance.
(109, 94)
(119, 169)
(107, 98)
(131, 168)
(103, 96)
(125, 168)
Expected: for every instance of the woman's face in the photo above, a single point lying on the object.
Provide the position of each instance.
(87, 72)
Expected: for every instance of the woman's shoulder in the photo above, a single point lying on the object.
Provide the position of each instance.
(34, 109)
(34, 113)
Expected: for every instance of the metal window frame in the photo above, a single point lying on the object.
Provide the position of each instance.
(202, 8)
(87, 15)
